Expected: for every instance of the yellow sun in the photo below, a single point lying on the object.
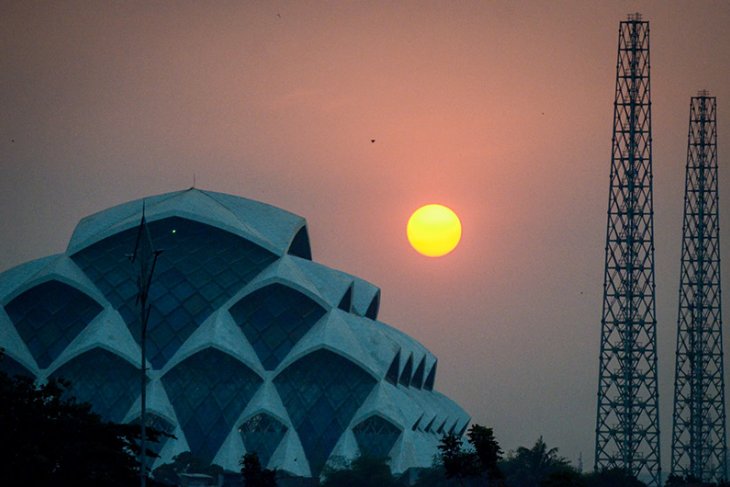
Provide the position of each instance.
(434, 230)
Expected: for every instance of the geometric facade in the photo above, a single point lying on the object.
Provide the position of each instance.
(251, 346)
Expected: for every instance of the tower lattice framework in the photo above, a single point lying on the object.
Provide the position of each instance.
(699, 446)
(627, 419)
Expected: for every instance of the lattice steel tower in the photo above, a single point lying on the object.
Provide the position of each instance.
(627, 419)
(699, 445)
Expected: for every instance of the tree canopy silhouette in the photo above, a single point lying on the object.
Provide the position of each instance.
(48, 438)
(254, 475)
(528, 467)
(477, 461)
(363, 471)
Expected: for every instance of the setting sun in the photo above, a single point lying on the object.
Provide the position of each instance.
(434, 230)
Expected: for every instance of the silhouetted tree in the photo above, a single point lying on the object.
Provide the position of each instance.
(458, 463)
(50, 439)
(363, 471)
(487, 449)
(478, 462)
(254, 475)
(528, 467)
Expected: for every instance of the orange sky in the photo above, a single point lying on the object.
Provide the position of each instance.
(501, 110)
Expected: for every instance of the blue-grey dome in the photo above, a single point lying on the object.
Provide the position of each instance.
(251, 345)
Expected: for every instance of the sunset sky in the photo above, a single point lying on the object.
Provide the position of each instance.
(501, 110)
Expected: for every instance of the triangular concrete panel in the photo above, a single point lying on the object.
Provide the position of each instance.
(332, 332)
(284, 271)
(381, 402)
(231, 451)
(66, 271)
(411, 405)
(266, 400)
(276, 225)
(107, 331)
(13, 345)
(412, 448)
(290, 456)
(16, 280)
(97, 226)
(333, 285)
(345, 448)
(218, 330)
(381, 347)
(363, 296)
(197, 206)
(157, 402)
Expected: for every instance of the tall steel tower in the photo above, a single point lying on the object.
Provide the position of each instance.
(627, 420)
(699, 446)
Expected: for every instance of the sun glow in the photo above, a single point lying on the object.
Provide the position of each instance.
(434, 230)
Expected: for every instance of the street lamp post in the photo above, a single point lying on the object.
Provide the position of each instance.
(145, 258)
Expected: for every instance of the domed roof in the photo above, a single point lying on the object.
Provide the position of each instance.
(272, 228)
(251, 345)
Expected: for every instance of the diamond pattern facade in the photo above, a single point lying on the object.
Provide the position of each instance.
(251, 346)
(199, 269)
(274, 318)
(376, 436)
(321, 392)
(104, 379)
(50, 315)
(209, 391)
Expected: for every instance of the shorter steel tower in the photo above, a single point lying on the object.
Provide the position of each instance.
(699, 446)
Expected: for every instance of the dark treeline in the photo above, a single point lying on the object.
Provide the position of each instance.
(478, 460)
(50, 439)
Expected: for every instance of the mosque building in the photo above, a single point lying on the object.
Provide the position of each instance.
(251, 346)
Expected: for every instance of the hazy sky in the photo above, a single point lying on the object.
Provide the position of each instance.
(501, 110)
